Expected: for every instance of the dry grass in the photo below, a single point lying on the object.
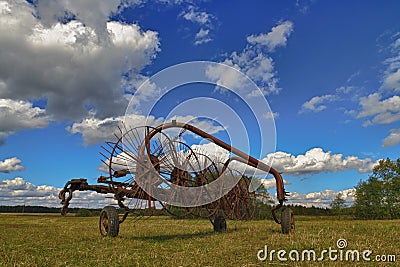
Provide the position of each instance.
(71, 241)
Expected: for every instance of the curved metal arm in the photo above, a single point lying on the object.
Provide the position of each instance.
(243, 157)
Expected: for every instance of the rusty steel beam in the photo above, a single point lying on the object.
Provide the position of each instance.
(82, 185)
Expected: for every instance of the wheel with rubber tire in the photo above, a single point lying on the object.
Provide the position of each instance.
(287, 220)
(109, 222)
(219, 224)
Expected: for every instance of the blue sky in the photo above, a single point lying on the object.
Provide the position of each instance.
(333, 81)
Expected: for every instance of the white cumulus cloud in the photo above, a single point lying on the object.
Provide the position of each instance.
(18, 191)
(392, 74)
(11, 165)
(271, 115)
(16, 115)
(380, 111)
(194, 15)
(75, 65)
(313, 161)
(94, 130)
(217, 154)
(316, 160)
(202, 19)
(316, 104)
(254, 61)
(321, 199)
(269, 183)
(393, 80)
(393, 139)
(276, 37)
(383, 106)
(202, 37)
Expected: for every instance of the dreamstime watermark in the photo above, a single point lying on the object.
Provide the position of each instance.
(338, 253)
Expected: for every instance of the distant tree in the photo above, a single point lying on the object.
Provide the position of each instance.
(83, 213)
(338, 204)
(379, 196)
(263, 196)
(264, 203)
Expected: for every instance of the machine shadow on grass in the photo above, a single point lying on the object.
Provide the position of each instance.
(201, 234)
(161, 238)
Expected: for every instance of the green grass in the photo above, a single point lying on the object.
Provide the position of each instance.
(49, 240)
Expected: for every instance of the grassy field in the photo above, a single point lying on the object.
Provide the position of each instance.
(52, 240)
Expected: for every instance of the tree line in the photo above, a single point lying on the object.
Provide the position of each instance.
(378, 197)
(263, 211)
(38, 209)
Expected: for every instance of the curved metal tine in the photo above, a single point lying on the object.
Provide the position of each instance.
(117, 136)
(104, 156)
(160, 145)
(127, 156)
(194, 169)
(124, 126)
(179, 154)
(108, 151)
(120, 129)
(107, 164)
(183, 130)
(106, 160)
(166, 166)
(111, 144)
(157, 149)
(207, 163)
(120, 136)
(173, 154)
(189, 153)
(204, 178)
(192, 161)
(128, 159)
(133, 133)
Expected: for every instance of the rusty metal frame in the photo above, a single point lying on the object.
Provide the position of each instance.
(121, 192)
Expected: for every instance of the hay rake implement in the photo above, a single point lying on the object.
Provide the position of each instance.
(145, 166)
